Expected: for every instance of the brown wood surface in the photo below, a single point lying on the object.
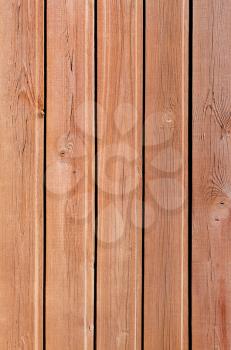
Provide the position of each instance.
(21, 171)
(119, 124)
(165, 279)
(72, 301)
(211, 306)
(70, 175)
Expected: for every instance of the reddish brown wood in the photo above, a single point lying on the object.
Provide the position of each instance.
(166, 121)
(119, 57)
(21, 174)
(70, 175)
(211, 307)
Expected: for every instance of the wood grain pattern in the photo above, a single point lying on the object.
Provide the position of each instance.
(21, 166)
(70, 174)
(211, 309)
(119, 119)
(165, 279)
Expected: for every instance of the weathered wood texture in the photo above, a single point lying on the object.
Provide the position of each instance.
(211, 306)
(70, 175)
(165, 279)
(119, 124)
(21, 169)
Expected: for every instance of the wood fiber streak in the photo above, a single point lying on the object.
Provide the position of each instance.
(119, 124)
(21, 165)
(211, 283)
(70, 175)
(165, 263)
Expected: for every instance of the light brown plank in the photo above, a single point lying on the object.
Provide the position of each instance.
(165, 278)
(211, 308)
(119, 119)
(21, 171)
(70, 175)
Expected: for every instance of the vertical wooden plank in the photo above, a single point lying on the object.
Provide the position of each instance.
(70, 174)
(211, 308)
(119, 118)
(165, 278)
(21, 171)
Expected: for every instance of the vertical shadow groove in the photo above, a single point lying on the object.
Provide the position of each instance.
(96, 174)
(143, 173)
(190, 150)
(44, 173)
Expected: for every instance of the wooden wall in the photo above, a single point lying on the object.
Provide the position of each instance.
(115, 175)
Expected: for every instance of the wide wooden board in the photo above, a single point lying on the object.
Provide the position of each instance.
(119, 125)
(70, 175)
(165, 224)
(211, 267)
(21, 174)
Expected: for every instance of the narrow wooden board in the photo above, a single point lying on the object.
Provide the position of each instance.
(119, 125)
(21, 173)
(165, 264)
(70, 175)
(211, 307)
